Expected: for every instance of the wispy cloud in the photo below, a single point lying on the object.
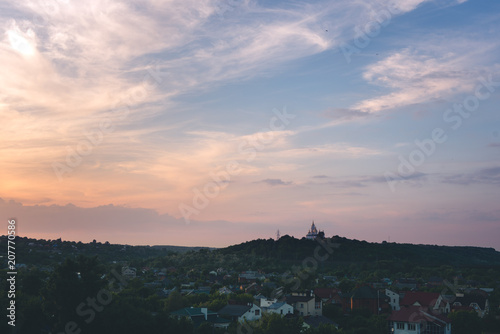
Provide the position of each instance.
(195, 82)
(344, 114)
(364, 181)
(276, 182)
(483, 176)
(416, 77)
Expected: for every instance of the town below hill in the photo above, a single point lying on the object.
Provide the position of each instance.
(309, 285)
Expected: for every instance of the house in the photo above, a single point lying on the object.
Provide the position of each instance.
(270, 285)
(241, 312)
(262, 301)
(281, 308)
(305, 304)
(250, 276)
(224, 291)
(435, 281)
(472, 301)
(253, 287)
(393, 299)
(432, 300)
(129, 273)
(200, 315)
(406, 283)
(418, 320)
(167, 292)
(386, 281)
(328, 295)
(365, 298)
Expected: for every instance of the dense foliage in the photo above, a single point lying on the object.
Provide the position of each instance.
(67, 287)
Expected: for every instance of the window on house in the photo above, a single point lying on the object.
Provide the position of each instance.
(412, 327)
(400, 325)
(394, 300)
(257, 312)
(281, 311)
(394, 308)
(318, 305)
(301, 305)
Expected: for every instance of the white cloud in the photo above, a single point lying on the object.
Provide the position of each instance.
(432, 70)
(65, 67)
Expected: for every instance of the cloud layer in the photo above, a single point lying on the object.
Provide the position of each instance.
(112, 105)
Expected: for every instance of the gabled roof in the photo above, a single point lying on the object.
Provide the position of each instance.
(298, 299)
(365, 292)
(191, 312)
(417, 314)
(325, 293)
(234, 310)
(276, 306)
(422, 298)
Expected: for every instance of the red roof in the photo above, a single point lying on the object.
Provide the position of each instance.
(325, 293)
(417, 314)
(423, 298)
(408, 314)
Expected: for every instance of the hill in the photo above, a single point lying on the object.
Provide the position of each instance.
(346, 250)
(178, 249)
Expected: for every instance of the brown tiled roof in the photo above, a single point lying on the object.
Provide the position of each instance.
(423, 298)
(417, 314)
(325, 293)
(295, 299)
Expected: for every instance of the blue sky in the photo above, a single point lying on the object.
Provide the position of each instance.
(215, 122)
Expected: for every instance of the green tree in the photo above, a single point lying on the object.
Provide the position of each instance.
(276, 324)
(465, 322)
(346, 285)
(175, 301)
(71, 284)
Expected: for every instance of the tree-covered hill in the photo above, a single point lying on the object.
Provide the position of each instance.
(347, 250)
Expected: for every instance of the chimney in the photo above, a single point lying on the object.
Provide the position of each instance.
(204, 310)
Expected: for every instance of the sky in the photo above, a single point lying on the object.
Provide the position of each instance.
(210, 123)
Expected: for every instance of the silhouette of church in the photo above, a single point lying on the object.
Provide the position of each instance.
(314, 233)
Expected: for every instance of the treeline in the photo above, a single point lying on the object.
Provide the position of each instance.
(347, 250)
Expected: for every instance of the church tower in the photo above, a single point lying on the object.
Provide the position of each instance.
(313, 232)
